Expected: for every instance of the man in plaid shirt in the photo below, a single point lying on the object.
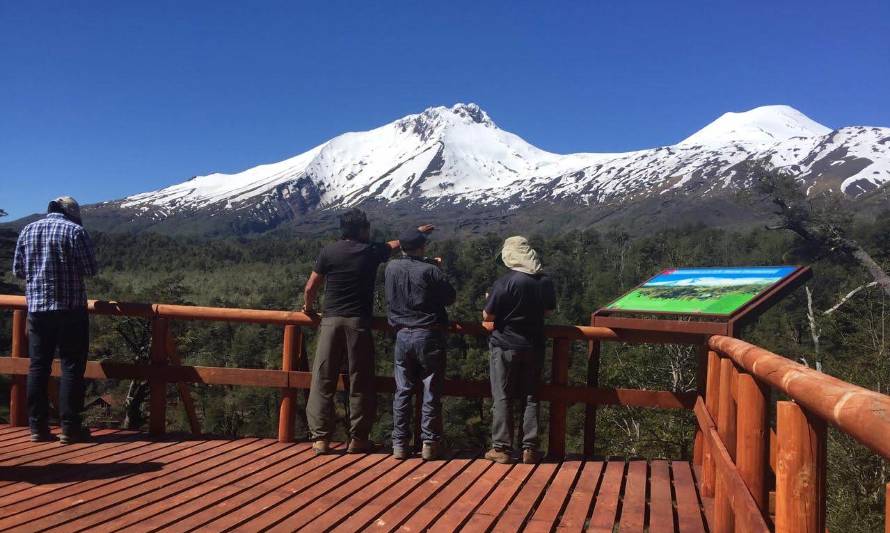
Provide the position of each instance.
(53, 255)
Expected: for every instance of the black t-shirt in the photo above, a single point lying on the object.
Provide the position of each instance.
(350, 269)
(518, 302)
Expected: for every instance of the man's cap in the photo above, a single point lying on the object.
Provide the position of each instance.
(69, 207)
(517, 254)
(412, 239)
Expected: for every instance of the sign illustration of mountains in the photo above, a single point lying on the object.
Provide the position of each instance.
(455, 167)
(717, 291)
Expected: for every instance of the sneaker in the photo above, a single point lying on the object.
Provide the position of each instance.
(430, 451)
(321, 447)
(360, 446)
(400, 453)
(530, 456)
(498, 456)
(42, 435)
(73, 436)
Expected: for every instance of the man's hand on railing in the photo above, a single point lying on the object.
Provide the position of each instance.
(309, 310)
(426, 228)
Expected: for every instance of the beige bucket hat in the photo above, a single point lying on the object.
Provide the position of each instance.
(517, 254)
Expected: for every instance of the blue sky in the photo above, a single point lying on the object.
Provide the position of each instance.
(104, 99)
(763, 273)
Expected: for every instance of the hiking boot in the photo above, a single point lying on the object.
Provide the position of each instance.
(430, 451)
(321, 447)
(530, 456)
(360, 446)
(42, 435)
(498, 456)
(401, 453)
(75, 435)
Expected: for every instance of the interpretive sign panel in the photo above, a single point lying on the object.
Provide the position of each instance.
(713, 291)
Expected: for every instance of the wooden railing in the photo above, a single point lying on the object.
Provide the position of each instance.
(165, 367)
(742, 454)
(738, 453)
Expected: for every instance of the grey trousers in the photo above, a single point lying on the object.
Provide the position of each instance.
(515, 375)
(340, 337)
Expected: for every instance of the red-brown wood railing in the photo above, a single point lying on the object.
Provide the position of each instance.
(164, 366)
(735, 448)
(734, 416)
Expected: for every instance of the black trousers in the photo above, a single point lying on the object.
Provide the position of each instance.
(67, 332)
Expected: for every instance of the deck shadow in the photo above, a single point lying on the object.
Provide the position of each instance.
(68, 472)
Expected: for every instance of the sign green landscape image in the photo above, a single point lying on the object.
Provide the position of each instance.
(718, 291)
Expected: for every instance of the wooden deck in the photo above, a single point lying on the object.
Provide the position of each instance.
(127, 480)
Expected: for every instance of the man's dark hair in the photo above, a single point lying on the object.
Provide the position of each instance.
(352, 223)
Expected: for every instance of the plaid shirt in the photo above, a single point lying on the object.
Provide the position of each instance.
(53, 255)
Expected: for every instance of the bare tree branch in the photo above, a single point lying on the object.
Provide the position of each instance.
(815, 331)
(880, 277)
(821, 220)
(849, 295)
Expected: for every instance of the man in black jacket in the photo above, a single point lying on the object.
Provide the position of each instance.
(417, 293)
(517, 305)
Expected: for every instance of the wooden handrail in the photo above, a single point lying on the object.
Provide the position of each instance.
(165, 367)
(732, 416)
(798, 457)
(861, 413)
(295, 380)
(294, 318)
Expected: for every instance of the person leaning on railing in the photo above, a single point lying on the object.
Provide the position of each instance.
(417, 293)
(348, 269)
(517, 304)
(53, 255)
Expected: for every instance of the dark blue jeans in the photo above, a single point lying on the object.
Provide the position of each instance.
(420, 357)
(515, 375)
(67, 332)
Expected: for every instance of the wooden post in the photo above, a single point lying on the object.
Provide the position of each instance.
(18, 398)
(293, 347)
(157, 423)
(726, 429)
(559, 376)
(800, 470)
(593, 380)
(752, 439)
(712, 402)
(701, 385)
(185, 394)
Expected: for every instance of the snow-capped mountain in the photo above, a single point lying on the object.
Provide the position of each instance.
(457, 161)
(762, 125)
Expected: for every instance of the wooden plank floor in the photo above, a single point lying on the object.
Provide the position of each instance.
(129, 481)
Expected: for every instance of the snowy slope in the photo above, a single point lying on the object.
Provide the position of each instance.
(762, 125)
(458, 156)
(213, 188)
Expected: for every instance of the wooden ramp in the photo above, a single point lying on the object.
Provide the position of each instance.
(127, 480)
